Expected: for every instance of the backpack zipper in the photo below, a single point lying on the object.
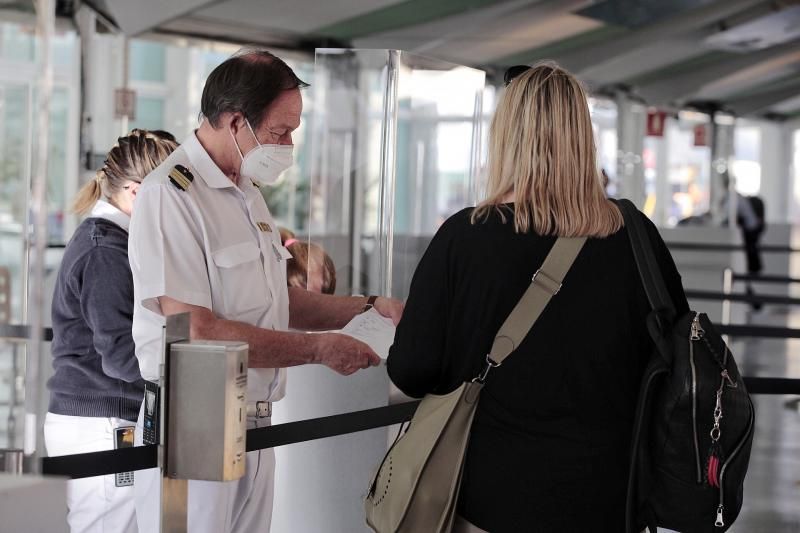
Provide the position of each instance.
(696, 334)
(720, 522)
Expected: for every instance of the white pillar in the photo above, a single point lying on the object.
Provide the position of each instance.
(631, 119)
(776, 178)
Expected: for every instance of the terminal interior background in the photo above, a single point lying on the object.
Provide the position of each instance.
(393, 141)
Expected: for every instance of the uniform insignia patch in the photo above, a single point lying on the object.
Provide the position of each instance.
(263, 226)
(181, 177)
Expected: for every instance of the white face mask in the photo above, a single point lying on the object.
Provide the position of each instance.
(265, 163)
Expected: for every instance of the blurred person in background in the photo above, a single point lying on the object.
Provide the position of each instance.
(310, 267)
(550, 443)
(96, 389)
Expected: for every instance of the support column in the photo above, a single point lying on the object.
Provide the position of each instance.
(776, 167)
(721, 134)
(631, 121)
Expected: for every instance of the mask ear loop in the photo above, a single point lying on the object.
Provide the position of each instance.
(236, 144)
(251, 131)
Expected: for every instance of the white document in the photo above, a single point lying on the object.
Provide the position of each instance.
(374, 330)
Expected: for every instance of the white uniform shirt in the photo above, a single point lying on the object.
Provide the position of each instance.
(214, 245)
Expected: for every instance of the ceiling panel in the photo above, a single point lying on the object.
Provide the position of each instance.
(761, 74)
(789, 106)
(478, 38)
(641, 60)
(301, 16)
(635, 13)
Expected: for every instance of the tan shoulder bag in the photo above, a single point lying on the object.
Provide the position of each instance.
(416, 487)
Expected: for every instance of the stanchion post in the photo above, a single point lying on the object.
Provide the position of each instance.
(174, 492)
(12, 461)
(727, 288)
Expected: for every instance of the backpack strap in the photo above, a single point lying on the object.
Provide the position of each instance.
(545, 284)
(646, 261)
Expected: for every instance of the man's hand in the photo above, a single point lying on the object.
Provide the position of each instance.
(344, 354)
(390, 308)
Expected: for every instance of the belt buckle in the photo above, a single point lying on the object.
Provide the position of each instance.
(263, 409)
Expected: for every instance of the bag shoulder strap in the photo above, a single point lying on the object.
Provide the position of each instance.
(645, 257)
(545, 284)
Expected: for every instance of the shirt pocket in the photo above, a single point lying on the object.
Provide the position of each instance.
(244, 286)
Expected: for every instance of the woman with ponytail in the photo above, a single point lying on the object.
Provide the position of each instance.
(96, 389)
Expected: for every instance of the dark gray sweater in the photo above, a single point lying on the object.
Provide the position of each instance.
(96, 371)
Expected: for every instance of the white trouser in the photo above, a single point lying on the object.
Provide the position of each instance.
(94, 504)
(242, 506)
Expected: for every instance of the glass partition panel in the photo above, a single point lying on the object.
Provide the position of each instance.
(394, 145)
(396, 148)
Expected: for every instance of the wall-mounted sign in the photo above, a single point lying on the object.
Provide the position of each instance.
(701, 135)
(125, 103)
(655, 123)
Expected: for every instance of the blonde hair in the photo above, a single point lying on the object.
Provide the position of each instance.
(542, 151)
(131, 159)
(306, 255)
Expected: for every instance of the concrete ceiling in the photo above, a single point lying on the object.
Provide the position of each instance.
(669, 53)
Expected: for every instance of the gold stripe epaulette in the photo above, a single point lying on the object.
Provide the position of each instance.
(181, 177)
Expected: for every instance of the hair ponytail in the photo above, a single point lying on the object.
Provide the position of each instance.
(131, 159)
(88, 195)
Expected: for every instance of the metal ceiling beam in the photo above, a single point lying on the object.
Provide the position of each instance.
(433, 34)
(676, 86)
(402, 15)
(763, 100)
(682, 23)
(135, 17)
(595, 53)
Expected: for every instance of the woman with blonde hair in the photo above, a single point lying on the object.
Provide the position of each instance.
(96, 389)
(549, 444)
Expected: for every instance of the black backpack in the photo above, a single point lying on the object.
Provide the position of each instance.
(694, 422)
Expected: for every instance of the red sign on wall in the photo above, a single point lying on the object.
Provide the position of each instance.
(701, 135)
(655, 123)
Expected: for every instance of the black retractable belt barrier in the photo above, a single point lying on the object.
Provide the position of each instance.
(139, 458)
(758, 331)
(329, 426)
(772, 385)
(717, 247)
(22, 332)
(101, 463)
(741, 297)
(765, 278)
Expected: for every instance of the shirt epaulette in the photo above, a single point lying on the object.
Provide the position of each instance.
(181, 177)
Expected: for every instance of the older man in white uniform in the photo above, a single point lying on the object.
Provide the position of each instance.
(203, 241)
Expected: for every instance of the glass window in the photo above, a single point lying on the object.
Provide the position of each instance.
(149, 113)
(604, 125)
(746, 165)
(689, 163)
(17, 42)
(147, 61)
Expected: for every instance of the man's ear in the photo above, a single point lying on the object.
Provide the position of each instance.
(233, 122)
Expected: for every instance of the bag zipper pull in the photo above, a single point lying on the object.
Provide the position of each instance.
(697, 329)
(720, 522)
(732, 384)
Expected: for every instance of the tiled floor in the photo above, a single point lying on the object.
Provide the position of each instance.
(772, 489)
